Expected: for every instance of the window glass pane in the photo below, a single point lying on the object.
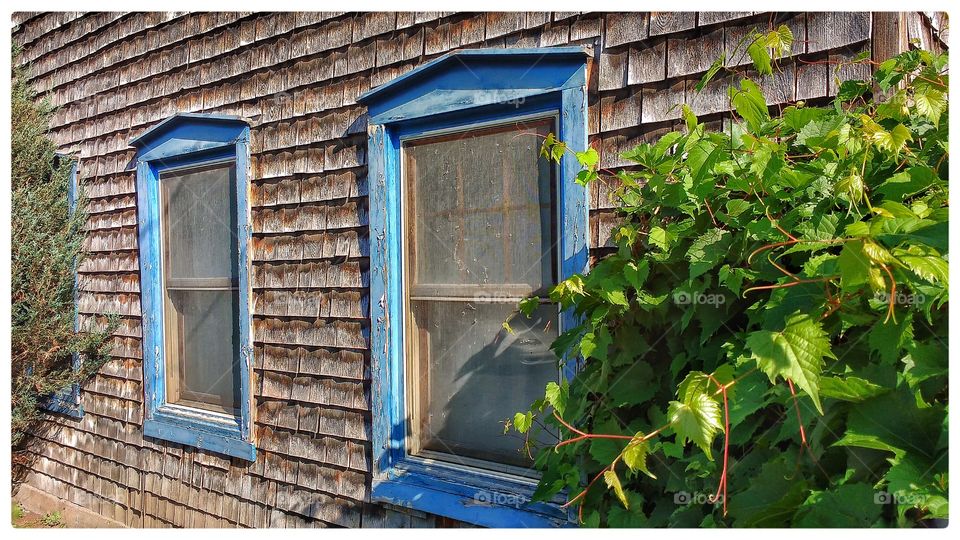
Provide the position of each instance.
(200, 218)
(201, 298)
(206, 349)
(480, 221)
(474, 374)
(481, 208)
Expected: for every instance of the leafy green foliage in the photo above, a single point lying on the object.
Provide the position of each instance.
(47, 243)
(778, 297)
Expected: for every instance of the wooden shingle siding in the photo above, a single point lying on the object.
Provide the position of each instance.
(296, 76)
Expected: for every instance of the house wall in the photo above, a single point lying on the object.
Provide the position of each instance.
(297, 76)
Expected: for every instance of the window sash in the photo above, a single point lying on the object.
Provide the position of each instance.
(540, 125)
(417, 389)
(174, 330)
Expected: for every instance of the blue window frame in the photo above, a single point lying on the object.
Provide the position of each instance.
(179, 149)
(67, 401)
(461, 91)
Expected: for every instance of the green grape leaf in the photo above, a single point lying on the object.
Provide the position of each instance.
(749, 103)
(854, 266)
(635, 454)
(849, 505)
(529, 305)
(636, 273)
(849, 388)
(588, 158)
(613, 482)
(780, 40)
(760, 56)
(596, 344)
(930, 103)
(523, 421)
(707, 250)
(795, 353)
(867, 441)
(907, 183)
(888, 339)
(689, 118)
(661, 238)
(697, 420)
(929, 267)
(557, 395)
(715, 67)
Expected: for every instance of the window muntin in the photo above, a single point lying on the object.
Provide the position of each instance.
(480, 234)
(201, 302)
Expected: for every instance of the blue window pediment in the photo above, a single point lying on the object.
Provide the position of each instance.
(188, 133)
(461, 91)
(475, 77)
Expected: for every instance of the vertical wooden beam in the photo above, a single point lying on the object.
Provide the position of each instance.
(889, 34)
(889, 37)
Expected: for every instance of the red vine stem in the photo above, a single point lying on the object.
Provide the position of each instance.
(786, 272)
(790, 284)
(726, 447)
(796, 406)
(775, 223)
(582, 436)
(804, 445)
(774, 245)
(710, 211)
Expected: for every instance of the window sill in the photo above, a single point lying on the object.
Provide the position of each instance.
(209, 434)
(64, 404)
(467, 496)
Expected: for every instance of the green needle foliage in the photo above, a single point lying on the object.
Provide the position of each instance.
(773, 323)
(46, 241)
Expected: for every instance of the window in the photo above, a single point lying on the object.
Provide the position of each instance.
(192, 196)
(67, 401)
(467, 219)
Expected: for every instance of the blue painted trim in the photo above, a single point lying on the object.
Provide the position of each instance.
(188, 133)
(195, 119)
(207, 434)
(491, 56)
(575, 208)
(473, 83)
(67, 401)
(486, 508)
(181, 141)
(244, 239)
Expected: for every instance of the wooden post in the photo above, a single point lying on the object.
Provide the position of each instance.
(889, 34)
(889, 38)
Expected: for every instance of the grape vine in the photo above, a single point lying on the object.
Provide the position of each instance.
(778, 291)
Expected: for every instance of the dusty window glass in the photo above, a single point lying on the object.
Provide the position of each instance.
(200, 289)
(480, 224)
